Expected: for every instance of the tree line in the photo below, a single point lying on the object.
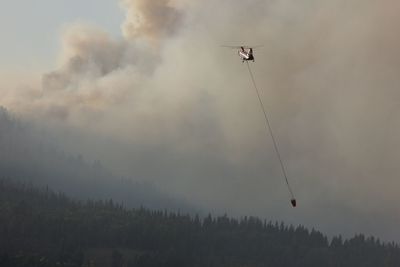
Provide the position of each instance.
(40, 227)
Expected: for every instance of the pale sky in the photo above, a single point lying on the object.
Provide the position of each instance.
(31, 29)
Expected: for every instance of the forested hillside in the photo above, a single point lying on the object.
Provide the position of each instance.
(39, 227)
(28, 154)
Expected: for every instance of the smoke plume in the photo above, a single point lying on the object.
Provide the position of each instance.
(153, 20)
(166, 104)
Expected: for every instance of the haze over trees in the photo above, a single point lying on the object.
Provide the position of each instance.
(28, 154)
(42, 228)
(57, 209)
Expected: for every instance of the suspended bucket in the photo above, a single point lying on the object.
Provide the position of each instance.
(293, 201)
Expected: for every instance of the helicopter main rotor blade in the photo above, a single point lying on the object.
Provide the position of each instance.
(231, 46)
(240, 46)
(252, 47)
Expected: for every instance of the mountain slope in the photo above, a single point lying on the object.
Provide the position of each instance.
(28, 154)
(43, 228)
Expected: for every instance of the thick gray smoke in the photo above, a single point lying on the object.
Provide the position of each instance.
(168, 105)
(97, 71)
(154, 20)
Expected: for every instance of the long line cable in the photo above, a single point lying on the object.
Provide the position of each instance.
(269, 128)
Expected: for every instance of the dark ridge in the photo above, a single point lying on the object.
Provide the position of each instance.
(39, 227)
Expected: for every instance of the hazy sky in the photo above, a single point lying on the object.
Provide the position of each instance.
(145, 87)
(30, 29)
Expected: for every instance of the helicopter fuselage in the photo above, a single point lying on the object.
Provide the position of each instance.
(246, 54)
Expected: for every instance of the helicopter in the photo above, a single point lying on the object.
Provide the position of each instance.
(244, 52)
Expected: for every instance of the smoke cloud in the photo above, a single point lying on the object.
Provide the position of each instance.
(153, 20)
(166, 104)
